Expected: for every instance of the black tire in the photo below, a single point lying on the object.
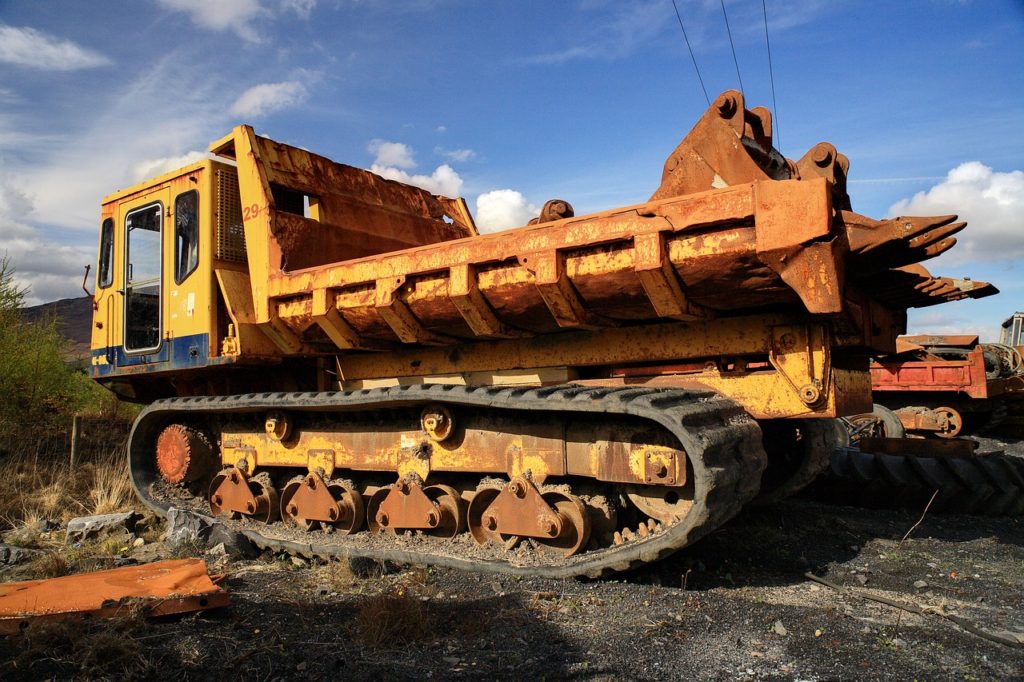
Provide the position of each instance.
(887, 424)
(984, 486)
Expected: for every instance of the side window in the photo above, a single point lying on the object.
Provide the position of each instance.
(106, 270)
(186, 235)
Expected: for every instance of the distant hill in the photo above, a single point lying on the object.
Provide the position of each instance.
(74, 321)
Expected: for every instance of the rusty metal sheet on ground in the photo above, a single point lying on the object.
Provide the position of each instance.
(160, 588)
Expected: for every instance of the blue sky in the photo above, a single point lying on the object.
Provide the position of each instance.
(512, 103)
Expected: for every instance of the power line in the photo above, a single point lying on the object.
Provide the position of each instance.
(771, 75)
(695, 67)
(733, 46)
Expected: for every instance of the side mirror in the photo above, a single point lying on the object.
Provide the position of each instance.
(85, 279)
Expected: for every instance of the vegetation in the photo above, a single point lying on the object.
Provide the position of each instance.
(40, 395)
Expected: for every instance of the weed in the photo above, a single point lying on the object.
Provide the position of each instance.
(336, 576)
(34, 491)
(393, 617)
(49, 565)
(73, 648)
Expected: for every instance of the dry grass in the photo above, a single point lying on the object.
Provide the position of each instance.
(395, 616)
(34, 490)
(108, 649)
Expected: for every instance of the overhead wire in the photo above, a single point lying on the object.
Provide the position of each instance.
(733, 46)
(695, 67)
(771, 76)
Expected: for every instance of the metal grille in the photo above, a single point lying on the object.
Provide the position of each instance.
(230, 232)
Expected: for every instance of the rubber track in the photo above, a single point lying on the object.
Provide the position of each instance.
(821, 437)
(721, 440)
(985, 486)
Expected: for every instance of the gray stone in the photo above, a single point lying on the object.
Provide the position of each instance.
(186, 527)
(780, 629)
(10, 555)
(920, 584)
(105, 525)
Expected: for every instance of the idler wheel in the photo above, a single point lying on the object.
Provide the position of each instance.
(575, 530)
(474, 516)
(183, 454)
(954, 420)
(451, 517)
(265, 493)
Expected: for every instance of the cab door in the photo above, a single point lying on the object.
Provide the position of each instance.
(143, 304)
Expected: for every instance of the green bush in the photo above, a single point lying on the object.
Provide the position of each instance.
(39, 391)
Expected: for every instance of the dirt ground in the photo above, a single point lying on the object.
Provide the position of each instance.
(736, 605)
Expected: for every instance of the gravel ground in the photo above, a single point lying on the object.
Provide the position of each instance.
(737, 605)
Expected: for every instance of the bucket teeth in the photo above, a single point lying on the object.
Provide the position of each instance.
(880, 244)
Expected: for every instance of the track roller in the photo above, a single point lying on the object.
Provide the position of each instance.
(408, 505)
(310, 502)
(232, 493)
(555, 520)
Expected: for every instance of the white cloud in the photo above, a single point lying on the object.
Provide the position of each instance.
(503, 208)
(455, 155)
(36, 50)
(391, 154)
(50, 191)
(944, 322)
(222, 15)
(992, 202)
(15, 207)
(441, 130)
(266, 98)
(47, 269)
(151, 168)
(302, 8)
(444, 180)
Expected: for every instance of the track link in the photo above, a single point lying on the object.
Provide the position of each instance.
(721, 440)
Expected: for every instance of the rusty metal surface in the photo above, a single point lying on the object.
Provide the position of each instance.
(233, 492)
(183, 454)
(965, 375)
(159, 589)
(733, 226)
(557, 520)
(408, 505)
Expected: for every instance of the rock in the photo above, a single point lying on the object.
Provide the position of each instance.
(861, 578)
(104, 525)
(185, 527)
(11, 555)
(217, 550)
(139, 542)
(301, 666)
(298, 562)
(780, 629)
(237, 545)
(920, 584)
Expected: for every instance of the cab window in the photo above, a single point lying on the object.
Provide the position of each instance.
(186, 235)
(106, 270)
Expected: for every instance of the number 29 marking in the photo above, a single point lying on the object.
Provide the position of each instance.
(250, 212)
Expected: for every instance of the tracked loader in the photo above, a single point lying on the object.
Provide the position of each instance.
(340, 365)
